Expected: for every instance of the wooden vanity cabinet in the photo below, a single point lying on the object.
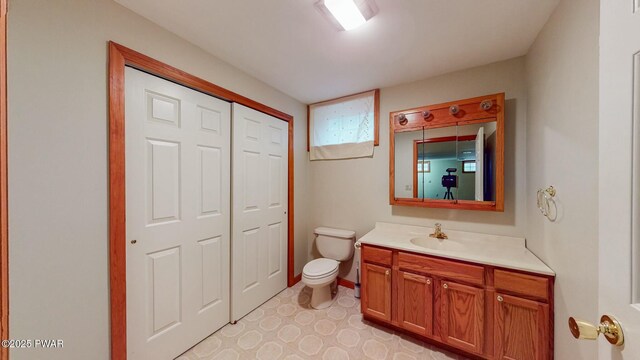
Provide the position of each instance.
(521, 328)
(522, 321)
(463, 316)
(488, 312)
(415, 303)
(376, 283)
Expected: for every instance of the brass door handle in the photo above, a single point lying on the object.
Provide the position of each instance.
(445, 286)
(387, 273)
(608, 326)
(428, 282)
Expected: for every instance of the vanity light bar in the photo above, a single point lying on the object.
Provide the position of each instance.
(485, 105)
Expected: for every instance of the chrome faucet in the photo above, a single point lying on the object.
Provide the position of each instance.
(438, 233)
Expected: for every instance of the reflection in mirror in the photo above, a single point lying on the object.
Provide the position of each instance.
(457, 163)
(439, 149)
(406, 183)
(476, 161)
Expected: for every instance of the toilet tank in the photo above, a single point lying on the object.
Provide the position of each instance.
(336, 244)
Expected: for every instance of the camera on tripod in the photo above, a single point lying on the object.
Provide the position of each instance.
(450, 181)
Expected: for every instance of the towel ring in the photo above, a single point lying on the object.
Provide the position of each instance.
(546, 203)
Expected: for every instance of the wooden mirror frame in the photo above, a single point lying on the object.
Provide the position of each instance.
(469, 111)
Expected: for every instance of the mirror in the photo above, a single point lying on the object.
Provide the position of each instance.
(409, 180)
(440, 159)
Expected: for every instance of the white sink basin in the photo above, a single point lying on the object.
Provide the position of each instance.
(437, 244)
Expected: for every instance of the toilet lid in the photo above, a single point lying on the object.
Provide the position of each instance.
(320, 267)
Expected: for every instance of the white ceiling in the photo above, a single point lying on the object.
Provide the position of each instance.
(290, 46)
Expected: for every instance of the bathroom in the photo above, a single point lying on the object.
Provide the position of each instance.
(563, 127)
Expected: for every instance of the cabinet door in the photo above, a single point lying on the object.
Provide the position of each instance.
(521, 329)
(462, 321)
(415, 303)
(376, 296)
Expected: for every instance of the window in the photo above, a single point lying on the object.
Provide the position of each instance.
(468, 166)
(424, 166)
(344, 128)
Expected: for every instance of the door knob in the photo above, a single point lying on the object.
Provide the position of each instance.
(608, 326)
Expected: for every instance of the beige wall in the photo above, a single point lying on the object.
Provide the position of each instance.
(58, 162)
(354, 194)
(562, 150)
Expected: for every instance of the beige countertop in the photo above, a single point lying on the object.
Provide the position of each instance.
(502, 251)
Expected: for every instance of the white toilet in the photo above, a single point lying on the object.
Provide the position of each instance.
(335, 245)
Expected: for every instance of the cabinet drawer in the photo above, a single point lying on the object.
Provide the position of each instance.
(445, 268)
(528, 285)
(376, 255)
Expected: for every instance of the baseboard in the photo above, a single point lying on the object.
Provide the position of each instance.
(346, 283)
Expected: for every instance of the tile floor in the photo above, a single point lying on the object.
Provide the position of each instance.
(285, 327)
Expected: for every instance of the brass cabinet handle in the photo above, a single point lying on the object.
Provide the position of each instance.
(445, 286)
(428, 281)
(387, 273)
(608, 326)
(500, 299)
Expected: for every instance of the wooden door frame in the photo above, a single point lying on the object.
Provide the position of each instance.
(119, 58)
(4, 226)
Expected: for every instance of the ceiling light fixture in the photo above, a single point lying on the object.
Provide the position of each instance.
(347, 14)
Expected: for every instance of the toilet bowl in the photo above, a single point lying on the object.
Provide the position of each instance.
(320, 274)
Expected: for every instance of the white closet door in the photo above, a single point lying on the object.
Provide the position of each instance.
(480, 165)
(260, 175)
(178, 205)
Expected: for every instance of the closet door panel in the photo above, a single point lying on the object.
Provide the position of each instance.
(178, 214)
(260, 176)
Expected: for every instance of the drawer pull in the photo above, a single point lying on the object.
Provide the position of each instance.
(445, 286)
(500, 299)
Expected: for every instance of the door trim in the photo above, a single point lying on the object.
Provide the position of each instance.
(4, 232)
(119, 57)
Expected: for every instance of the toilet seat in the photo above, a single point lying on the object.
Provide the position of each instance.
(320, 268)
